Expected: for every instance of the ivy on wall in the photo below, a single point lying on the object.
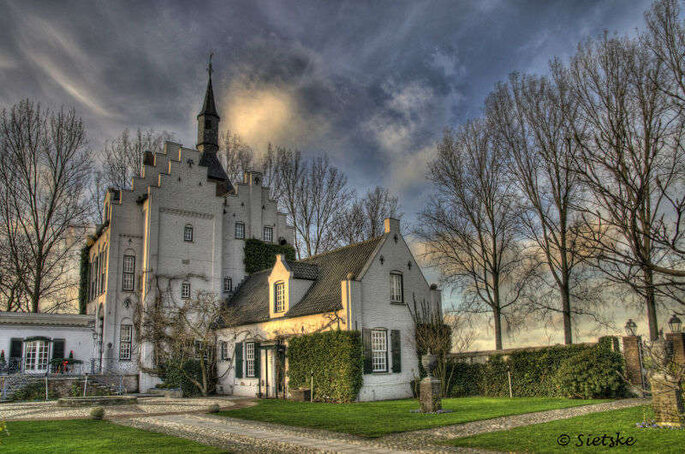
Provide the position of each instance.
(260, 255)
(84, 271)
(335, 358)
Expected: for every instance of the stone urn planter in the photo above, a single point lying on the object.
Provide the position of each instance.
(429, 361)
(301, 394)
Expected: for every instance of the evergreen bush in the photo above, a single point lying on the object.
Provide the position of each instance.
(335, 358)
(173, 376)
(556, 371)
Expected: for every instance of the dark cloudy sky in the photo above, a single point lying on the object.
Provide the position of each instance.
(373, 84)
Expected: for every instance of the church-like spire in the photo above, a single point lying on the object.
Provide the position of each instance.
(208, 118)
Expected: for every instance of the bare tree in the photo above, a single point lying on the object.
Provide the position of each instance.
(237, 156)
(181, 332)
(629, 156)
(124, 155)
(364, 217)
(533, 119)
(471, 227)
(313, 192)
(44, 173)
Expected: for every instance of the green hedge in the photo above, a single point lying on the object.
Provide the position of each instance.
(173, 376)
(551, 372)
(83, 283)
(335, 357)
(260, 255)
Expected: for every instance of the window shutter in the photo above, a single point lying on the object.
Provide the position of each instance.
(57, 348)
(238, 355)
(396, 350)
(15, 347)
(256, 359)
(366, 340)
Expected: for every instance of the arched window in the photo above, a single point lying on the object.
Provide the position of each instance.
(188, 233)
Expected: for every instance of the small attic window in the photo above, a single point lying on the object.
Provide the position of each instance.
(279, 297)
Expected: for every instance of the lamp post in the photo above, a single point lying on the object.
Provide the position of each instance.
(630, 327)
(675, 324)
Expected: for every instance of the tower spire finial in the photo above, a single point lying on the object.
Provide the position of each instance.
(209, 66)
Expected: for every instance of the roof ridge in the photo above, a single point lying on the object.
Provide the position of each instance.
(342, 248)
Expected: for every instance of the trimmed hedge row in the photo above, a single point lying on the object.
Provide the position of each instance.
(335, 358)
(260, 255)
(576, 371)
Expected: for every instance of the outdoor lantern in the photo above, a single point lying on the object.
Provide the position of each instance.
(630, 327)
(675, 324)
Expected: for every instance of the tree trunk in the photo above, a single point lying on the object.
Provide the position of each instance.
(650, 301)
(498, 328)
(566, 309)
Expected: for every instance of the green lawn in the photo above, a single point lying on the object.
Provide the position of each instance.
(87, 436)
(373, 419)
(542, 438)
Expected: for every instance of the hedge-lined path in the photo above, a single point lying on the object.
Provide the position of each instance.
(146, 406)
(247, 436)
(420, 437)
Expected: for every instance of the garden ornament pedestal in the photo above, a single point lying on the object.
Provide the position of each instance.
(667, 395)
(429, 391)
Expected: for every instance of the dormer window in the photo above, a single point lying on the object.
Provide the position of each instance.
(279, 297)
(188, 233)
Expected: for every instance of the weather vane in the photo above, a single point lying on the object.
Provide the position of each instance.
(209, 67)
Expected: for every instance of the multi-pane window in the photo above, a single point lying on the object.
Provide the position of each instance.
(129, 272)
(228, 284)
(125, 341)
(185, 290)
(36, 356)
(268, 234)
(239, 230)
(224, 350)
(249, 359)
(379, 350)
(102, 272)
(279, 295)
(188, 233)
(396, 292)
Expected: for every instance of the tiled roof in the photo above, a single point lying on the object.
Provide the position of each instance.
(250, 303)
(42, 319)
(214, 168)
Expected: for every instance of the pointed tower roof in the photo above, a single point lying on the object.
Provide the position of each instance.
(209, 107)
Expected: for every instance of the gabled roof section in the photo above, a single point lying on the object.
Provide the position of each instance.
(250, 303)
(215, 170)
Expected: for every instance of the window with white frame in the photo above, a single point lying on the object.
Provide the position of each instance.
(36, 356)
(379, 350)
(239, 230)
(185, 290)
(249, 359)
(396, 290)
(228, 284)
(125, 341)
(188, 233)
(268, 234)
(224, 351)
(129, 268)
(279, 297)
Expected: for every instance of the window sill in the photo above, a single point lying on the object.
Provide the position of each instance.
(398, 303)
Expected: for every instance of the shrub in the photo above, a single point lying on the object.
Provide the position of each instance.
(591, 374)
(97, 413)
(335, 358)
(214, 408)
(32, 391)
(260, 255)
(534, 373)
(174, 377)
